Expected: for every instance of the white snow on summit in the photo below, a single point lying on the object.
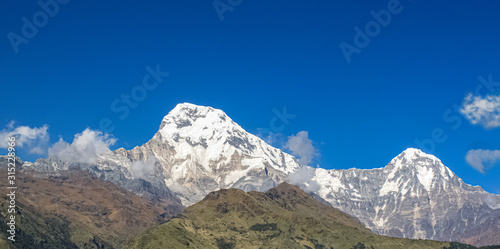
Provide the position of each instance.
(207, 135)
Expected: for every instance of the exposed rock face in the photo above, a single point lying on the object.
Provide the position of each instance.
(200, 149)
(153, 188)
(474, 224)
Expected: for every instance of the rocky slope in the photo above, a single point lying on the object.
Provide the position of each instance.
(283, 217)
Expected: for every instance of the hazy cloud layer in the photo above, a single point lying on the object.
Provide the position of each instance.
(85, 148)
(35, 140)
(144, 169)
(482, 160)
(482, 111)
(301, 146)
(303, 177)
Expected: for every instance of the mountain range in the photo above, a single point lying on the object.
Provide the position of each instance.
(198, 150)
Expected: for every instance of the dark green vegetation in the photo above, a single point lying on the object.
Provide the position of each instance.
(264, 227)
(283, 217)
(34, 233)
(454, 245)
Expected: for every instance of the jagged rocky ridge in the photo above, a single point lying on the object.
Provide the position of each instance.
(200, 149)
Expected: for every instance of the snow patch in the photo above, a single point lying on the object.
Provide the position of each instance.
(425, 176)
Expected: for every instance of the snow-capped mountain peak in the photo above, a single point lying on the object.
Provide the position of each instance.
(201, 149)
(190, 115)
(207, 134)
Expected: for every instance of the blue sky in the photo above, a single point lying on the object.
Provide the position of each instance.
(262, 56)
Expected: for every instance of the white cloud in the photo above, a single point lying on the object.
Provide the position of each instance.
(301, 146)
(39, 150)
(11, 124)
(85, 148)
(481, 160)
(483, 111)
(36, 140)
(303, 177)
(144, 169)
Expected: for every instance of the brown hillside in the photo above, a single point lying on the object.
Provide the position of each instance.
(95, 212)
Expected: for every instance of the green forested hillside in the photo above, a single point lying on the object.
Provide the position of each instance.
(283, 217)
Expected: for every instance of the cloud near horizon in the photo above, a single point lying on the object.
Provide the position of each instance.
(482, 160)
(301, 146)
(85, 148)
(35, 140)
(484, 111)
(144, 169)
(303, 177)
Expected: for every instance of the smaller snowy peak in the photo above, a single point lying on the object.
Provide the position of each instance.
(414, 163)
(410, 156)
(413, 153)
